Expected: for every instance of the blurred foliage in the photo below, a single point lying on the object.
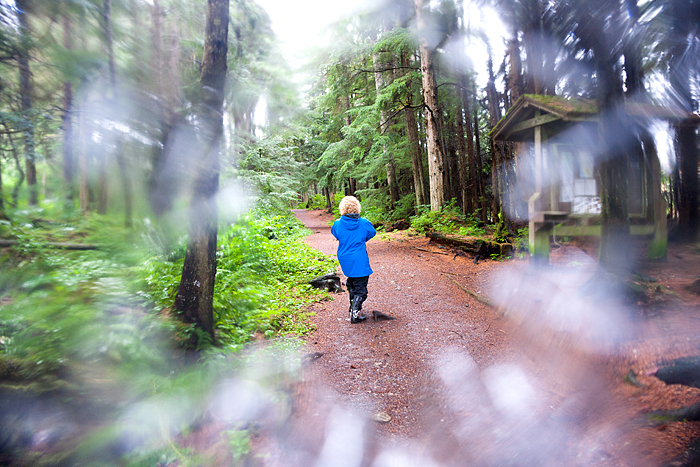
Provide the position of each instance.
(98, 322)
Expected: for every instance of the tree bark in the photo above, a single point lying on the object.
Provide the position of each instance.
(83, 164)
(329, 205)
(119, 154)
(435, 157)
(470, 188)
(18, 166)
(496, 148)
(68, 164)
(479, 176)
(682, 68)
(102, 162)
(614, 252)
(195, 294)
(25, 90)
(384, 124)
(414, 142)
(689, 191)
(463, 156)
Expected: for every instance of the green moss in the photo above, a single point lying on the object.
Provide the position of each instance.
(564, 104)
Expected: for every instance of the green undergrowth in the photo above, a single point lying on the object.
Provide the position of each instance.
(94, 331)
(448, 219)
(261, 282)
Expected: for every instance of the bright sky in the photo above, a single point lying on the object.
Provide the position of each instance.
(298, 24)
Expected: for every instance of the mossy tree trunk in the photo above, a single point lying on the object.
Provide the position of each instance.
(196, 291)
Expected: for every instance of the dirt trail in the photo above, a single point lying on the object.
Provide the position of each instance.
(389, 366)
(537, 381)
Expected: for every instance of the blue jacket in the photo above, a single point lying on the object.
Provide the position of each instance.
(352, 234)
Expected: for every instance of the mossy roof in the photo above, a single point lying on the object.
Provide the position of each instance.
(572, 110)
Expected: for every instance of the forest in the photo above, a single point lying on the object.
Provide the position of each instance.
(152, 152)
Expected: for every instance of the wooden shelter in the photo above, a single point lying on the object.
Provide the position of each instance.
(564, 196)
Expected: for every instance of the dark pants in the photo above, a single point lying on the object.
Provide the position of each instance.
(357, 286)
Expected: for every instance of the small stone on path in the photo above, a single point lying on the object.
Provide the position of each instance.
(381, 417)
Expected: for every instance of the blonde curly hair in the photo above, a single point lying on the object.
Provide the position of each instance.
(349, 205)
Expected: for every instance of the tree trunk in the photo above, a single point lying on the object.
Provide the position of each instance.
(479, 189)
(414, 142)
(68, 168)
(469, 190)
(496, 148)
(119, 155)
(682, 68)
(18, 167)
(688, 192)
(102, 160)
(385, 122)
(83, 165)
(435, 158)
(614, 252)
(463, 156)
(25, 91)
(195, 294)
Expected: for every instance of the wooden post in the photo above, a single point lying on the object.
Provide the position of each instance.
(538, 156)
(538, 232)
(554, 182)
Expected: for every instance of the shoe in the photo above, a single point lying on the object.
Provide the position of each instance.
(355, 315)
(357, 318)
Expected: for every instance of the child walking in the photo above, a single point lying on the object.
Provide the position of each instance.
(352, 233)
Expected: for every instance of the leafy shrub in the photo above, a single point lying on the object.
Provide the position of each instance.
(448, 219)
(316, 202)
(262, 270)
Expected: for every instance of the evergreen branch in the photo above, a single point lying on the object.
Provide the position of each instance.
(382, 70)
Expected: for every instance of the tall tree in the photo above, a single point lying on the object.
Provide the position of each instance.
(102, 195)
(114, 103)
(413, 139)
(196, 291)
(600, 27)
(68, 164)
(25, 91)
(683, 67)
(497, 151)
(381, 61)
(435, 155)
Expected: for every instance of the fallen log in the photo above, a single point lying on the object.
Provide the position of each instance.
(476, 296)
(60, 246)
(684, 370)
(475, 246)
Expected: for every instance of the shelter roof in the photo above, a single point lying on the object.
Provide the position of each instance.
(555, 113)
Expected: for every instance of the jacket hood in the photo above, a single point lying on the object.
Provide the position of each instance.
(350, 222)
